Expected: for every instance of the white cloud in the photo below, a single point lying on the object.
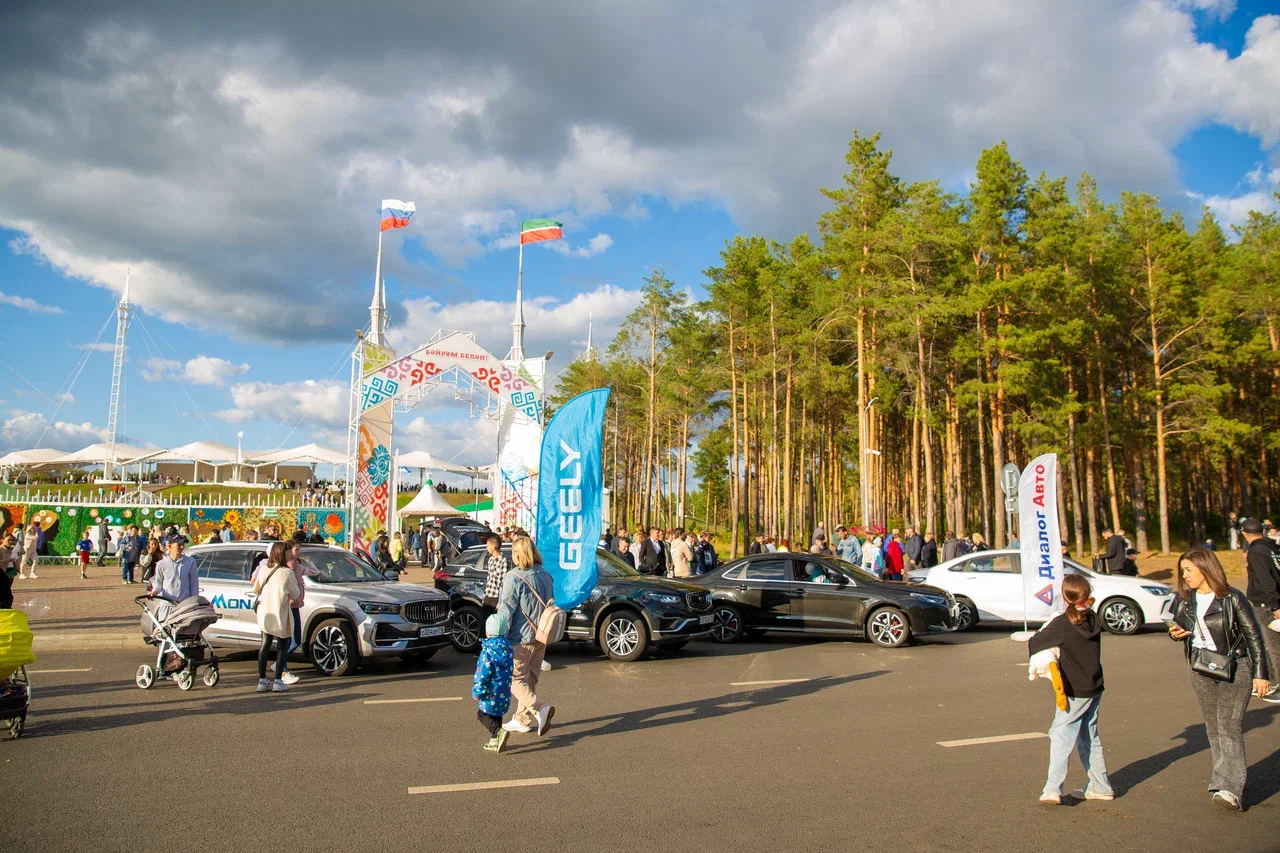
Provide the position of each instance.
(595, 246)
(237, 172)
(201, 370)
(28, 304)
(550, 323)
(1257, 193)
(319, 403)
(466, 441)
(100, 346)
(22, 430)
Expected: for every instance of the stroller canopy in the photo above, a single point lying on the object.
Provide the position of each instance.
(15, 642)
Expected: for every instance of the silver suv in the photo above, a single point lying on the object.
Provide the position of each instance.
(352, 611)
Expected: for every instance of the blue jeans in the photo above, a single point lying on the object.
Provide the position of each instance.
(126, 570)
(1078, 726)
(297, 632)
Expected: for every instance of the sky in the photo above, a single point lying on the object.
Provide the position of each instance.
(231, 161)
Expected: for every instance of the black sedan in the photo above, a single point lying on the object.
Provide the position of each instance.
(626, 614)
(806, 594)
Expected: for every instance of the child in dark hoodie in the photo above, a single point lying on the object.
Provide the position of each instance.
(492, 686)
(1077, 634)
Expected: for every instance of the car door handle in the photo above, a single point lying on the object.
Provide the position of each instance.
(798, 593)
(742, 587)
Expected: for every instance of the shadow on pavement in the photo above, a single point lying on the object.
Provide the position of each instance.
(1194, 740)
(699, 709)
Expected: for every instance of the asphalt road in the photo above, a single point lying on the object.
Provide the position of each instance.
(676, 753)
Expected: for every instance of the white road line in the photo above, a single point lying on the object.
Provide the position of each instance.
(402, 701)
(774, 681)
(484, 786)
(51, 671)
(997, 739)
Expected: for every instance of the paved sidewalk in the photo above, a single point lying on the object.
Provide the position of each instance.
(67, 613)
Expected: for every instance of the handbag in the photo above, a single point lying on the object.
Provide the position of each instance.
(1220, 666)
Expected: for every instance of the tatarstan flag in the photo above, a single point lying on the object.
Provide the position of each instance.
(537, 230)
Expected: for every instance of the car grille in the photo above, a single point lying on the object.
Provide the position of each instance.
(426, 612)
(387, 633)
(698, 600)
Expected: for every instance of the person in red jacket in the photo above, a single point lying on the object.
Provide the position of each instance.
(893, 558)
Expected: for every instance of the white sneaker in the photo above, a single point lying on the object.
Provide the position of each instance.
(1051, 799)
(512, 726)
(546, 667)
(289, 677)
(33, 576)
(279, 687)
(22, 576)
(544, 719)
(264, 684)
(1084, 794)
(1226, 800)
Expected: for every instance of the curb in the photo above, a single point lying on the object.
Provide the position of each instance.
(67, 641)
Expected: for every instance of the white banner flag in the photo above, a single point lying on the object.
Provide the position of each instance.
(1041, 542)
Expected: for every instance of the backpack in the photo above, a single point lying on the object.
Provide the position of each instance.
(551, 622)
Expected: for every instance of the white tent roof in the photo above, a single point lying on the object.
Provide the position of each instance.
(200, 451)
(31, 457)
(305, 453)
(99, 452)
(423, 459)
(429, 502)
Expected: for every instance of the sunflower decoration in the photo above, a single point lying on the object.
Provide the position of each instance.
(232, 517)
(199, 513)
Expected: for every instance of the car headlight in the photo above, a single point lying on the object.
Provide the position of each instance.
(1158, 591)
(935, 600)
(662, 597)
(379, 607)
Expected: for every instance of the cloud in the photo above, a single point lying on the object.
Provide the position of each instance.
(595, 246)
(1257, 193)
(320, 403)
(201, 370)
(100, 346)
(22, 430)
(466, 441)
(233, 155)
(28, 304)
(550, 323)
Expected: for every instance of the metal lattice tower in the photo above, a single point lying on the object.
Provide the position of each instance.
(123, 311)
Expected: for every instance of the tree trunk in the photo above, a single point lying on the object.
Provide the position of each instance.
(1091, 500)
(1073, 465)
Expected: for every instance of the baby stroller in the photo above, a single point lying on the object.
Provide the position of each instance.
(15, 685)
(177, 632)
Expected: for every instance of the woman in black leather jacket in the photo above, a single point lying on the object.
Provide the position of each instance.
(1215, 623)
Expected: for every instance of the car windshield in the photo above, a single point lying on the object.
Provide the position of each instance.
(612, 566)
(338, 566)
(854, 572)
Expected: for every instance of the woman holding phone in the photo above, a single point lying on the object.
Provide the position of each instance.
(1227, 662)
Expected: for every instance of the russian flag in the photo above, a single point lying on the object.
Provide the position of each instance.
(396, 213)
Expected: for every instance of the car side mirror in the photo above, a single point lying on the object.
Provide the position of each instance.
(838, 578)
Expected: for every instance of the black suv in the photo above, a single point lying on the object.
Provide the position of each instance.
(625, 614)
(808, 594)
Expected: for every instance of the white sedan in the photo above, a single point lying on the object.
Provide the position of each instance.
(988, 587)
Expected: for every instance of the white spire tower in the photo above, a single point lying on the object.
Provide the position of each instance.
(378, 307)
(123, 311)
(517, 325)
(590, 351)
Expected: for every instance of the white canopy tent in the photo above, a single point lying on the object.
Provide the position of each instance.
(213, 453)
(428, 502)
(311, 453)
(30, 458)
(124, 454)
(423, 459)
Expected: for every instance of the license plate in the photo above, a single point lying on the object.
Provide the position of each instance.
(430, 632)
(706, 620)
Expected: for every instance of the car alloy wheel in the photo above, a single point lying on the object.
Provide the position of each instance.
(728, 625)
(466, 629)
(964, 615)
(329, 648)
(622, 635)
(888, 628)
(1120, 617)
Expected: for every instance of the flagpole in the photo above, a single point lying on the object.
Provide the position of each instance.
(377, 310)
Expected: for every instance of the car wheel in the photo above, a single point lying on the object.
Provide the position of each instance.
(418, 657)
(467, 629)
(728, 627)
(1120, 616)
(888, 627)
(967, 614)
(624, 635)
(333, 648)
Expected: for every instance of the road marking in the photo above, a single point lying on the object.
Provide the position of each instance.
(485, 786)
(402, 701)
(52, 671)
(774, 681)
(997, 739)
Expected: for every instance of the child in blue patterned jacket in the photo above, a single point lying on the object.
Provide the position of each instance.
(492, 687)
